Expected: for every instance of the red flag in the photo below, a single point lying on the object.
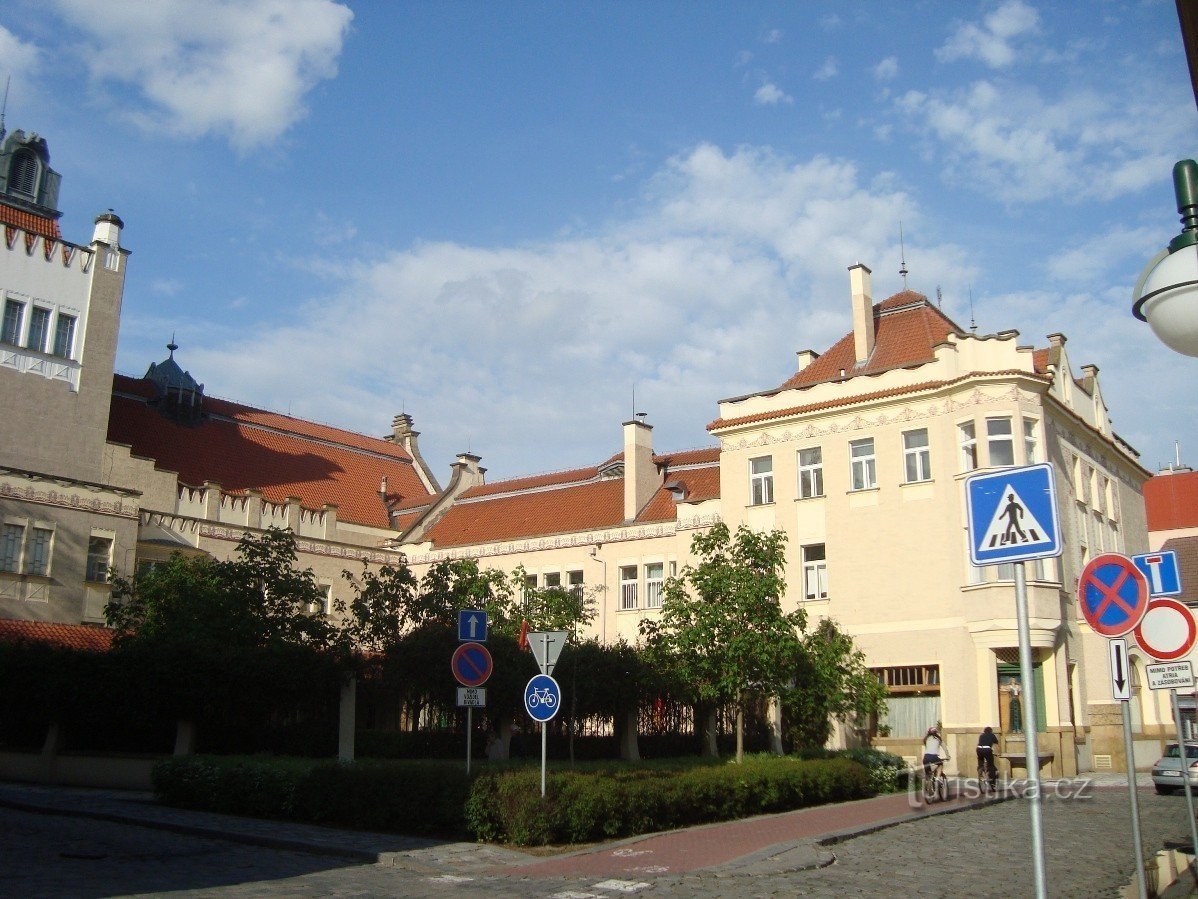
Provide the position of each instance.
(523, 641)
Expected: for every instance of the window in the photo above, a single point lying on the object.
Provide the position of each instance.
(99, 558)
(815, 572)
(916, 456)
(22, 174)
(38, 557)
(39, 329)
(653, 579)
(574, 579)
(864, 473)
(553, 579)
(761, 480)
(1001, 442)
(912, 699)
(10, 547)
(627, 586)
(64, 336)
(811, 472)
(969, 446)
(14, 314)
(530, 582)
(1029, 441)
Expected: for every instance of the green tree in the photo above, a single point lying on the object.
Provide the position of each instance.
(722, 628)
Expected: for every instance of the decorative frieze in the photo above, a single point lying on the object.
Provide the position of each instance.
(64, 500)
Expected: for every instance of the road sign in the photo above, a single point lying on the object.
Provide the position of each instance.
(1012, 515)
(471, 664)
(1120, 672)
(1160, 570)
(472, 625)
(1113, 594)
(1170, 676)
(1167, 630)
(547, 646)
(542, 697)
(472, 697)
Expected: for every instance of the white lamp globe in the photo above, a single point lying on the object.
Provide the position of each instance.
(1171, 304)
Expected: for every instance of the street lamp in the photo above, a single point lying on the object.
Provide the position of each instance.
(1166, 294)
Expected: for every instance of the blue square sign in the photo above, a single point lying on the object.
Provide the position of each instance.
(1160, 570)
(1012, 515)
(472, 625)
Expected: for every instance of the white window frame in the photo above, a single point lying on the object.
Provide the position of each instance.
(994, 440)
(13, 337)
(628, 582)
(967, 434)
(863, 467)
(654, 583)
(917, 460)
(815, 572)
(556, 577)
(811, 473)
(89, 568)
(67, 351)
(575, 585)
(761, 481)
(44, 316)
(1031, 441)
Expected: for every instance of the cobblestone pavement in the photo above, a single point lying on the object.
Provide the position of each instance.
(980, 852)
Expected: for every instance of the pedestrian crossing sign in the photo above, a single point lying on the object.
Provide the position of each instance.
(1012, 515)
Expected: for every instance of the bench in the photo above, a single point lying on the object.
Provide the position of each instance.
(1019, 760)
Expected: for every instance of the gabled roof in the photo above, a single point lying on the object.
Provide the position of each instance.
(64, 636)
(1171, 501)
(906, 330)
(243, 448)
(42, 225)
(568, 502)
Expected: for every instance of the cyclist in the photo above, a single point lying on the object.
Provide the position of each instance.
(934, 752)
(986, 767)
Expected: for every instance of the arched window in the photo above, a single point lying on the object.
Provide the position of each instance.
(23, 174)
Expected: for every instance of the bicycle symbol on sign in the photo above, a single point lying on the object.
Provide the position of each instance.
(542, 697)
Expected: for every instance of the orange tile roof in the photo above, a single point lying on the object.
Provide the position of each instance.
(65, 636)
(1171, 501)
(906, 329)
(29, 221)
(243, 448)
(567, 502)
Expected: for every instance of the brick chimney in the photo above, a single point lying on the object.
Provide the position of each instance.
(863, 311)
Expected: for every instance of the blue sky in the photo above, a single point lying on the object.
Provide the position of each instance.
(504, 218)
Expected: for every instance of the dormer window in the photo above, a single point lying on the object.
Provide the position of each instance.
(612, 470)
(23, 174)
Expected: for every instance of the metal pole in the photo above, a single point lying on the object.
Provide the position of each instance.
(1185, 779)
(544, 747)
(469, 733)
(1137, 840)
(1031, 749)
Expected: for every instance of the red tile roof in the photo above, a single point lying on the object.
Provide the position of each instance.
(65, 636)
(243, 448)
(567, 502)
(1171, 501)
(906, 329)
(29, 221)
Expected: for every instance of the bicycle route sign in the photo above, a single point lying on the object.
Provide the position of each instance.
(1012, 515)
(542, 698)
(1113, 594)
(471, 664)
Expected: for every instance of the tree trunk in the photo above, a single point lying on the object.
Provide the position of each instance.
(740, 727)
(775, 722)
(347, 719)
(185, 737)
(573, 723)
(505, 735)
(706, 716)
(629, 750)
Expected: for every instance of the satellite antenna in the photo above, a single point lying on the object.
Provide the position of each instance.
(973, 325)
(939, 298)
(4, 105)
(902, 256)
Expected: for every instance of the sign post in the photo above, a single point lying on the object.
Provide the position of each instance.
(1012, 516)
(471, 664)
(542, 699)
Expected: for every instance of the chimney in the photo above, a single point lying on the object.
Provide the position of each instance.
(1056, 340)
(108, 229)
(641, 477)
(863, 311)
(467, 473)
(1090, 371)
(806, 357)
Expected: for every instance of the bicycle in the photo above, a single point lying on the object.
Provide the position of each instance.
(538, 697)
(935, 783)
(987, 774)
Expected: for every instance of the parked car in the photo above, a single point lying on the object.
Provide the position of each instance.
(1166, 771)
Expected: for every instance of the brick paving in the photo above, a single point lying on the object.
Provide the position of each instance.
(979, 852)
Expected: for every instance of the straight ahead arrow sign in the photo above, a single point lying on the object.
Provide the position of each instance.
(1120, 674)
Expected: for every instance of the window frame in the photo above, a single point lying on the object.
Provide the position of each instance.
(866, 465)
(1031, 441)
(12, 335)
(57, 348)
(37, 336)
(815, 572)
(967, 441)
(811, 474)
(761, 483)
(653, 598)
(921, 455)
(575, 586)
(628, 585)
(12, 562)
(993, 440)
(39, 551)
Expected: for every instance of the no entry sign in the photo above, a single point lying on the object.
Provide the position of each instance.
(1167, 630)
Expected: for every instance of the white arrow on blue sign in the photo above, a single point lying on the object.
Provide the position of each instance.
(1161, 572)
(472, 625)
(1012, 515)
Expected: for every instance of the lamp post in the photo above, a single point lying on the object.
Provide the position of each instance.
(1166, 294)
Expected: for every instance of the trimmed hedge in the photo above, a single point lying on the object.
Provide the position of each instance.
(581, 807)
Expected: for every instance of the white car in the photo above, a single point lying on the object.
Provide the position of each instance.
(1166, 771)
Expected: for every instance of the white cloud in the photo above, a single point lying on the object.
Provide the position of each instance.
(887, 69)
(769, 94)
(17, 58)
(992, 42)
(168, 287)
(732, 262)
(235, 68)
(773, 36)
(829, 69)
